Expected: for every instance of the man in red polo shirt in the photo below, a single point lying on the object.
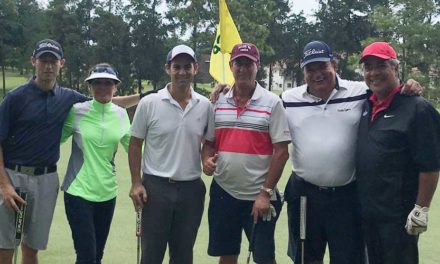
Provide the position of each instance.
(398, 161)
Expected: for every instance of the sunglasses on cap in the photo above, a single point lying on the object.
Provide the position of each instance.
(106, 69)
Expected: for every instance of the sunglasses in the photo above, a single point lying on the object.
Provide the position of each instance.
(105, 69)
(98, 82)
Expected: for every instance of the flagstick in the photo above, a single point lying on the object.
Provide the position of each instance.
(223, 68)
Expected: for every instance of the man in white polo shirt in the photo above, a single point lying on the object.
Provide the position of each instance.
(247, 152)
(323, 119)
(173, 124)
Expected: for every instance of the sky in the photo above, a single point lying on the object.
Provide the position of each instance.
(308, 6)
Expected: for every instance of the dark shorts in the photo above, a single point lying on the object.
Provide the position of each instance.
(228, 217)
(332, 218)
(388, 242)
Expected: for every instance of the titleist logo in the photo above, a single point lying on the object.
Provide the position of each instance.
(313, 52)
(48, 45)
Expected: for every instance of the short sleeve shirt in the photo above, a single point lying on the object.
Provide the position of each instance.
(244, 141)
(172, 135)
(324, 133)
(31, 122)
(392, 150)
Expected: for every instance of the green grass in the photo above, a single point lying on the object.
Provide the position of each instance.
(13, 80)
(121, 245)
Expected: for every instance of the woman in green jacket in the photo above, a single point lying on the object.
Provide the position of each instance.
(97, 127)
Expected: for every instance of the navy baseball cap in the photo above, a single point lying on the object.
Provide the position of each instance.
(181, 49)
(316, 51)
(48, 46)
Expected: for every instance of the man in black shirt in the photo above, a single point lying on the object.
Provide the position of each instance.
(398, 161)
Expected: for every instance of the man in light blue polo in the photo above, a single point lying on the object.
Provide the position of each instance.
(173, 124)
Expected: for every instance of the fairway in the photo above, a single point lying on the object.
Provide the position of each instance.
(121, 245)
(13, 80)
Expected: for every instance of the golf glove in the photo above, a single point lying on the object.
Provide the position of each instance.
(270, 214)
(417, 221)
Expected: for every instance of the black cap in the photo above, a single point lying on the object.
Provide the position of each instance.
(48, 46)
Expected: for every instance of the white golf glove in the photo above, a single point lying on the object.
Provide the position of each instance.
(417, 221)
(272, 213)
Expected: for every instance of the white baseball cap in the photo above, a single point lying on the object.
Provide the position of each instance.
(181, 49)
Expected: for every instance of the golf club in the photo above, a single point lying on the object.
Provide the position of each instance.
(302, 224)
(139, 234)
(251, 242)
(19, 221)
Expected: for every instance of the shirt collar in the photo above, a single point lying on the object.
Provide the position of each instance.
(100, 106)
(33, 84)
(165, 94)
(255, 96)
(385, 103)
(306, 93)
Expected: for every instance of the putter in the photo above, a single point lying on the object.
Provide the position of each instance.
(302, 224)
(138, 234)
(19, 221)
(251, 242)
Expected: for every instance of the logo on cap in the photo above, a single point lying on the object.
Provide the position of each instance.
(313, 52)
(48, 46)
(248, 50)
(316, 51)
(244, 47)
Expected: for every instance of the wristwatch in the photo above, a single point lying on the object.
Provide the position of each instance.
(268, 190)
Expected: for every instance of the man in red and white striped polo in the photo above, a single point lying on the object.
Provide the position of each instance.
(246, 155)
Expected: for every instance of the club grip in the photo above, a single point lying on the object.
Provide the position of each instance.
(303, 217)
(20, 215)
(138, 223)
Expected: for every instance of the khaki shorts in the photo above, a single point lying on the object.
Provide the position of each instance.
(42, 191)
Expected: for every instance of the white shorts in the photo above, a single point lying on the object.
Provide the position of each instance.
(42, 191)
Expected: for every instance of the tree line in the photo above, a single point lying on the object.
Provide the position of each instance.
(135, 35)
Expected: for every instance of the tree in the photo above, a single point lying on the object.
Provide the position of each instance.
(110, 36)
(8, 28)
(148, 34)
(277, 38)
(64, 26)
(196, 17)
(32, 29)
(343, 25)
(409, 25)
(295, 44)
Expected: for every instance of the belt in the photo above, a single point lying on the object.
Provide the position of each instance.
(333, 189)
(31, 170)
(169, 180)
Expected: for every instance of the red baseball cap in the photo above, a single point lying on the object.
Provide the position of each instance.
(248, 50)
(381, 50)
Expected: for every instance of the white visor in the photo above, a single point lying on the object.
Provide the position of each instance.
(102, 75)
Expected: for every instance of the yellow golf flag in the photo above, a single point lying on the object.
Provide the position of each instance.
(227, 36)
(228, 30)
